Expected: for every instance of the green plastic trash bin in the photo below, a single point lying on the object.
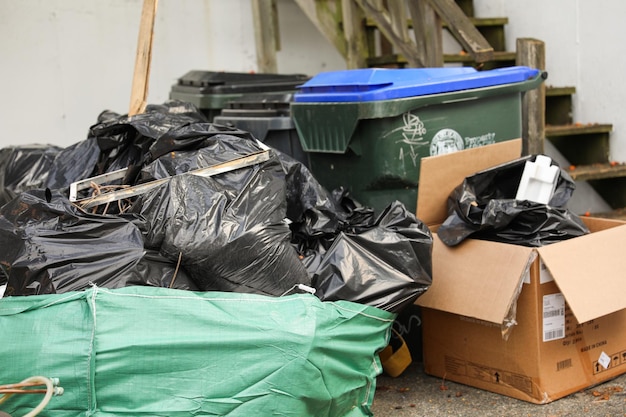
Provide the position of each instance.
(368, 129)
(211, 91)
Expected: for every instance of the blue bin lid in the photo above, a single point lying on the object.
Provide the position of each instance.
(385, 84)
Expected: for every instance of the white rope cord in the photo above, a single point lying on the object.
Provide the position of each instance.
(52, 388)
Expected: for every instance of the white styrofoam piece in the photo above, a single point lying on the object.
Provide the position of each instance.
(538, 180)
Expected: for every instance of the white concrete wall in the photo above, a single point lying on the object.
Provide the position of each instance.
(65, 61)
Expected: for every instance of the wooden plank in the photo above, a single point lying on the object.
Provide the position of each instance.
(141, 76)
(476, 21)
(578, 129)
(397, 15)
(449, 58)
(354, 32)
(265, 35)
(501, 56)
(428, 35)
(462, 29)
(220, 168)
(552, 91)
(597, 171)
(320, 14)
(532, 53)
(385, 24)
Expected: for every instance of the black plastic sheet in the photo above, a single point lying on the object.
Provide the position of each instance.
(484, 207)
(382, 261)
(24, 168)
(230, 240)
(50, 246)
(135, 141)
(387, 265)
(73, 163)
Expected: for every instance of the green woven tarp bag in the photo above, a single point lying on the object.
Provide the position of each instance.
(143, 351)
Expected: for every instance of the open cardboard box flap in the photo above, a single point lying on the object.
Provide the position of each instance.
(589, 270)
(480, 279)
(484, 286)
(439, 175)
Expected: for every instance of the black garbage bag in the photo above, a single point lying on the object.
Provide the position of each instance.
(484, 207)
(155, 270)
(351, 254)
(73, 163)
(228, 229)
(196, 146)
(24, 168)
(387, 265)
(317, 215)
(124, 140)
(49, 246)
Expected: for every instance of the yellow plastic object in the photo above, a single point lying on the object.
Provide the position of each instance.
(395, 361)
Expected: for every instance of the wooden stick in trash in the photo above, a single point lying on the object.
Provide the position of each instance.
(139, 93)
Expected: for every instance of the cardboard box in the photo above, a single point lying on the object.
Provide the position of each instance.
(566, 300)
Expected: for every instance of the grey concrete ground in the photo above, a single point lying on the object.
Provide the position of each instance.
(416, 394)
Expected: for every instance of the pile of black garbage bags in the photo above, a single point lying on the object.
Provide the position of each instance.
(268, 228)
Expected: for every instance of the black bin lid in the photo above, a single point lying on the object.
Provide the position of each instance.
(211, 82)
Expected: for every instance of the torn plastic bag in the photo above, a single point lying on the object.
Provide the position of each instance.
(53, 247)
(196, 146)
(229, 228)
(192, 136)
(24, 168)
(134, 141)
(484, 207)
(124, 140)
(387, 266)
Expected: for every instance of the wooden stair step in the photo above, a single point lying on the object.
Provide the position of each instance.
(552, 91)
(476, 21)
(387, 60)
(597, 171)
(577, 129)
(465, 58)
(617, 214)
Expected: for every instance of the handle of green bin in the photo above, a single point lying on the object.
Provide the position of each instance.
(325, 127)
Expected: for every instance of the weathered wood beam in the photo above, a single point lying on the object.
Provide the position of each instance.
(386, 25)
(326, 22)
(397, 14)
(354, 31)
(141, 75)
(461, 27)
(532, 53)
(265, 32)
(428, 34)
